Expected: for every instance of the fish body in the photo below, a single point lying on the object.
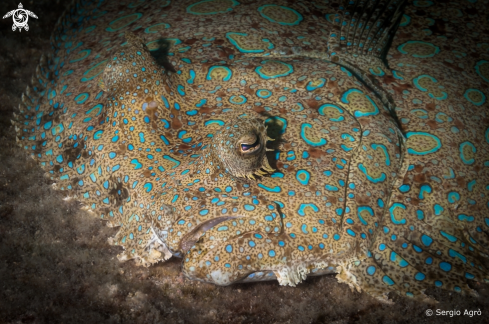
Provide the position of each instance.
(267, 140)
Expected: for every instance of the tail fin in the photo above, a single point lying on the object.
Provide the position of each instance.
(365, 27)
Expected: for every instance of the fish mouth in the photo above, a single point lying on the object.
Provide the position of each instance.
(189, 240)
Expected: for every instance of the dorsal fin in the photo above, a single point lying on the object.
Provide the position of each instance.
(365, 27)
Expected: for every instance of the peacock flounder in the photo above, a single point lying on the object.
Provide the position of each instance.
(275, 139)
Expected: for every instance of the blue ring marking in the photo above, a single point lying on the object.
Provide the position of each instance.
(416, 83)
(371, 270)
(388, 281)
(405, 23)
(302, 208)
(445, 266)
(294, 23)
(214, 121)
(243, 98)
(305, 174)
(84, 56)
(321, 112)
(98, 134)
(483, 97)
(321, 142)
(436, 148)
(361, 209)
(150, 29)
(391, 212)
(165, 102)
(226, 78)
(426, 240)
(135, 15)
(281, 120)
(169, 158)
(346, 136)
(470, 185)
(274, 189)
(384, 149)
(455, 254)
(371, 179)
(263, 93)
(266, 77)
(310, 87)
(85, 79)
(304, 229)
(461, 149)
(478, 69)
(242, 50)
(381, 73)
(400, 48)
(486, 135)
(358, 114)
(224, 10)
(463, 217)
(97, 106)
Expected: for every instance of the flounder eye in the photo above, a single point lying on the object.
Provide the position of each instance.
(247, 148)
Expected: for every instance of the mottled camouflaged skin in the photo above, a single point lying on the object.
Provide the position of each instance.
(379, 174)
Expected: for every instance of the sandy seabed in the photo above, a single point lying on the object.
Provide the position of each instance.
(57, 267)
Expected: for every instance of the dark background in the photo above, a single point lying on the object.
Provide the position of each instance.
(57, 267)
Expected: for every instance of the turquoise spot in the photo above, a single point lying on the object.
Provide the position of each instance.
(271, 253)
(463, 217)
(419, 276)
(204, 212)
(303, 177)
(371, 270)
(449, 237)
(229, 248)
(455, 254)
(388, 281)
(426, 240)
(148, 186)
(445, 266)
